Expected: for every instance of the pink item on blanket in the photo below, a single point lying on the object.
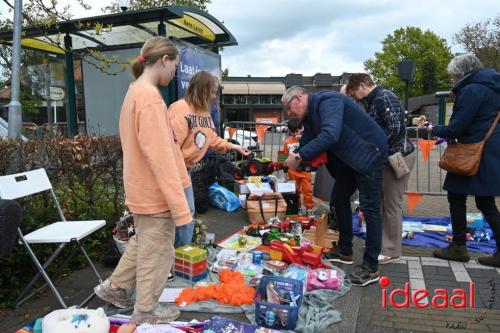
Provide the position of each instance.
(323, 279)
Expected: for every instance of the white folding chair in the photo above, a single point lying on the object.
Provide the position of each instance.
(63, 232)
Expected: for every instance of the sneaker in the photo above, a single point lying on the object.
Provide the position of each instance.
(116, 296)
(301, 212)
(171, 277)
(382, 260)
(159, 315)
(362, 275)
(309, 213)
(334, 255)
(493, 260)
(453, 252)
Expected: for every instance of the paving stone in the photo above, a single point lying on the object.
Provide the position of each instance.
(435, 263)
(413, 327)
(410, 258)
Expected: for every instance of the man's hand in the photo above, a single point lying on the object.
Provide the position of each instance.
(292, 161)
(242, 150)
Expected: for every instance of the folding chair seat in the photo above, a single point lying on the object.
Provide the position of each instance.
(24, 184)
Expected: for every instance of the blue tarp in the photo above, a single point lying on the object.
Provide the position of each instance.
(435, 239)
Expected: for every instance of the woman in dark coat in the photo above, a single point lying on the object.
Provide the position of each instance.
(477, 103)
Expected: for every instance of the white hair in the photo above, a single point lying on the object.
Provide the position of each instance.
(292, 91)
(464, 64)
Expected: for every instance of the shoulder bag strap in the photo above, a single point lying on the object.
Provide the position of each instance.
(492, 128)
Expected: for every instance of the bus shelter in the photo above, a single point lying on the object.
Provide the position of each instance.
(110, 35)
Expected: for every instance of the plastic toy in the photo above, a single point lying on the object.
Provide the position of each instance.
(76, 320)
(482, 236)
(324, 279)
(309, 256)
(191, 263)
(304, 165)
(242, 241)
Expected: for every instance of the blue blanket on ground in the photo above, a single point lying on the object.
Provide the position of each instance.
(434, 239)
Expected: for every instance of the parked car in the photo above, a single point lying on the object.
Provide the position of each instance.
(244, 138)
(279, 128)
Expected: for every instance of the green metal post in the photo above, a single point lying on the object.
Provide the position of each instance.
(442, 95)
(71, 117)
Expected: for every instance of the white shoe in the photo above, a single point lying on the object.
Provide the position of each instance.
(382, 260)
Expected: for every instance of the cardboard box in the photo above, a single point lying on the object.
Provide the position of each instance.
(288, 187)
(329, 237)
(240, 187)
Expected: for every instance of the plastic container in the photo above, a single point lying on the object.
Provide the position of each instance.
(272, 314)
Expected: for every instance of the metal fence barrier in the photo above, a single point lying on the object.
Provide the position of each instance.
(267, 139)
(49, 130)
(427, 177)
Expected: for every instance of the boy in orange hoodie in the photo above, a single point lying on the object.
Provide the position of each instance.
(302, 178)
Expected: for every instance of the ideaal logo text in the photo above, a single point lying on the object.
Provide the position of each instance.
(439, 298)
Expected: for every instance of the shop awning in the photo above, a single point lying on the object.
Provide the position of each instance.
(229, 88)
(237, 88)
(266, 88)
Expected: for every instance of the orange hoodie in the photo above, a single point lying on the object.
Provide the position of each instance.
(195, 132)
(154, 173)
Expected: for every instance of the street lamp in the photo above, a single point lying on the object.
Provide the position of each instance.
(406, 69)
(15, 110)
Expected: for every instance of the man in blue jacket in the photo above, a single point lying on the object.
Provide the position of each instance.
(357, 153)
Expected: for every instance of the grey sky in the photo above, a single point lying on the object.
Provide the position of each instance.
(277, 37)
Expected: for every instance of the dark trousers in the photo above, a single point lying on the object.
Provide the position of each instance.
(347, 180)
(458, 212)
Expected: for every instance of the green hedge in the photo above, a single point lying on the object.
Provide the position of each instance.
(86, 173)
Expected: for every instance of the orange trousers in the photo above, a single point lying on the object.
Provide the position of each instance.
(303, 185)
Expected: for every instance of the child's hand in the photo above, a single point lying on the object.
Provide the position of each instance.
(127, 328)
(242, 150)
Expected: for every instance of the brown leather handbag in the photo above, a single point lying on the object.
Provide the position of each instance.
(464, 158)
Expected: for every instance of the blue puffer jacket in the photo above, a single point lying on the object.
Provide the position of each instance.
(337, 125)
(477, 103)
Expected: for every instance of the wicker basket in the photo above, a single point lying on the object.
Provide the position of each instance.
(120, 244)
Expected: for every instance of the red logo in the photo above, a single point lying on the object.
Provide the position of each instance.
(440, 299)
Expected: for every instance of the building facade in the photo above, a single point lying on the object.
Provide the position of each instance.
(250, 98)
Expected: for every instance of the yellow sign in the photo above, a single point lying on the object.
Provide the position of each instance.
(41, 45)
(196, 27)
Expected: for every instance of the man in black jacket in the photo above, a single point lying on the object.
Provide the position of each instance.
(357, 151)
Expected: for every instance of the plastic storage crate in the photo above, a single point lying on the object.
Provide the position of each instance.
(191, 263)
(272, 314)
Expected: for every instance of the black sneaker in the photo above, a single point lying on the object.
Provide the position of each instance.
(362, 275)
(493, 260)
(334, 255)
(453, 252)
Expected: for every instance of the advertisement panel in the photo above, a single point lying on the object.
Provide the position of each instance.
(193, 59)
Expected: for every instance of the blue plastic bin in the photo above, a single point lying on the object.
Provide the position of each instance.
(273, 315)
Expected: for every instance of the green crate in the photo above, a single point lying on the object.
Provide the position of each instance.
(190, 253)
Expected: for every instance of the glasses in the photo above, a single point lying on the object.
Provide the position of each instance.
(287, 105)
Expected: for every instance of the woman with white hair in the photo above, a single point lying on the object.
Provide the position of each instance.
(476, 106)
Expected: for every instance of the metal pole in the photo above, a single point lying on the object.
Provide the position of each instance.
(71, 114)
(50, 116)
(15, 109)
(407, 94)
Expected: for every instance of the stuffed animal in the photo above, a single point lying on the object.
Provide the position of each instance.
(76, 320)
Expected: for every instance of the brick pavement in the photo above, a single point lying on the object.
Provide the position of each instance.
(360, 309)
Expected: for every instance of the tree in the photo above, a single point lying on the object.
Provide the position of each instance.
(429, 51)
(482, 39)
(116, 6)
